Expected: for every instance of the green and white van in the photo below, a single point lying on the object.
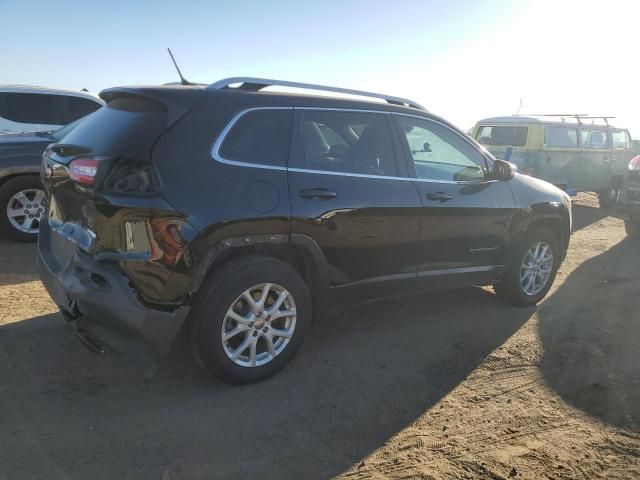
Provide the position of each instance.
(576, 154)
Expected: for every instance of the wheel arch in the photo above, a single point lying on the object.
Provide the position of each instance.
(300, 252)
(17, 173)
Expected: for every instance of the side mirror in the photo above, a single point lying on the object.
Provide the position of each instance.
(503, 170)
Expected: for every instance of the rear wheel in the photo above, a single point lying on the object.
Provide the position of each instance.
(249, 319)
(532, 270)
(22, 206)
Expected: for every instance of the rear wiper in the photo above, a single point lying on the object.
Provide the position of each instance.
(47, 134)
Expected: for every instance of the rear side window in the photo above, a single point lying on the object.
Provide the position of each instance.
(594, 138)
(29, 108)
(349, 142)
(560, 136)
(262, 137)
(620, 139)
(502, 135)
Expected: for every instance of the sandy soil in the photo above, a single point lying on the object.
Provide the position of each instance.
(452, 385)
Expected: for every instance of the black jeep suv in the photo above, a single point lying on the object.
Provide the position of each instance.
(239, 211)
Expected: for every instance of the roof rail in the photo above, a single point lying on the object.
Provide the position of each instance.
(578, 116)
(256, 84)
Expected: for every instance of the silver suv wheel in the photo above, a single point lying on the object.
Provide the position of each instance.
(25, 209)
(259, 325)
(536, 268)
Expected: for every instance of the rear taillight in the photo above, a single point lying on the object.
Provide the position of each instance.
(634, 164)
(83, 170)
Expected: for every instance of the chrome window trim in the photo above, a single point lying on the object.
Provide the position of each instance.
(215, 149)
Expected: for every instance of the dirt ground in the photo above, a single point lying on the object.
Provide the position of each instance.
(452, 385)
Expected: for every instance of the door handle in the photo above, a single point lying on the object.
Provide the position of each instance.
(317, 194)
(439, 197)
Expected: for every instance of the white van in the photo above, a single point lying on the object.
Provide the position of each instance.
(29, 109)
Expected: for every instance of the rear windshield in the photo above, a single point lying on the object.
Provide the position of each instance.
(126, 126)
(502, 135)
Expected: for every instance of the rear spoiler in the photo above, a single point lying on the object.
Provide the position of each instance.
(177, 101)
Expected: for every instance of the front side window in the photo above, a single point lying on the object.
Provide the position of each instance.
(347, 142)
(594, 138)
(439, 153)
(560, 136)
(620, 139)
(502, 135)
(35, 108)
(262, 137)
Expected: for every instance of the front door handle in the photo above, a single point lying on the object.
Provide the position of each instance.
(318, 194)
(439, 197)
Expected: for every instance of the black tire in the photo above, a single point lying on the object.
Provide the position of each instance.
(609, 198)
(632, 226)
(510, 289)
(217, 294)
(7, 191)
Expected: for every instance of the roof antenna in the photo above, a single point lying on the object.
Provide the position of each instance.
(183, 81)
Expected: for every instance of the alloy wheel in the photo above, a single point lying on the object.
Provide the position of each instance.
(536, 268)
(25, 210)
(259, 325)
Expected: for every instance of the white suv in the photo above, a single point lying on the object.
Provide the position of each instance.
(29, 109)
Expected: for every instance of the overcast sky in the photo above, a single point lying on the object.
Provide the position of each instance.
(464, 60)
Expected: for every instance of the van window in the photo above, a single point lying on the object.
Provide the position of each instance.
(594, 138)
(262, 137)
(35, 108)
(558, 136)
(348, 142)
(620, 139)
(502, 135)
(440, 154)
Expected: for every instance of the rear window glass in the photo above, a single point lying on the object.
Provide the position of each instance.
(502, 135)
(78, 107)
(126, 126)
(262, 137)
(560, 136)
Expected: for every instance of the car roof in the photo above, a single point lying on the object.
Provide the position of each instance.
(45, 90)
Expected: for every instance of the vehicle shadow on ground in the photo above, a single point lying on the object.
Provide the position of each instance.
(586, 215)
(17, 262)
(590, 341)
(363, 374)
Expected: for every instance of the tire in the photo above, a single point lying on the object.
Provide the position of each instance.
(11, 227)
(609, 198)
(222, 292)
(510, 289)
(632, 226)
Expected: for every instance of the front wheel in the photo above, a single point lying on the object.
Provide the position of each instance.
(533, 269)
(249, 319)
(632, 226)
(610, 197)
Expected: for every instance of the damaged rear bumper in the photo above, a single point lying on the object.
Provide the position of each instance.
(104, 306)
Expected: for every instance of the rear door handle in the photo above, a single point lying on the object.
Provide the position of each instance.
(439, 197)
(318, 194)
